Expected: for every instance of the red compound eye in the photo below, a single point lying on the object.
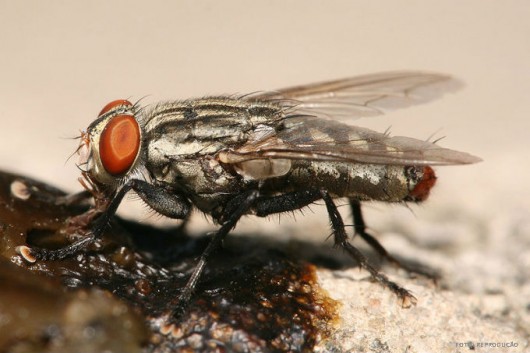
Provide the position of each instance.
(119, 144)
(114, 104)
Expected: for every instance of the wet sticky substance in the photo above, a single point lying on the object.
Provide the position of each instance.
(113, 297)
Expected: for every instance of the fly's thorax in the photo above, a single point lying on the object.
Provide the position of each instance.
(185, 140)
(188, 165)
(192, 168)
(202, 180)
(210, 117)
(114, 144)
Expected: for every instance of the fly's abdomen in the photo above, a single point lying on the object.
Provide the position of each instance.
(364, 181)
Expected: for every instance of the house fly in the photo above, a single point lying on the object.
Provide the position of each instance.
(262, 154)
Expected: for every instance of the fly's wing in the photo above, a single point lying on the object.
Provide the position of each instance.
(312, 138)
(303, 134)
(363, 96)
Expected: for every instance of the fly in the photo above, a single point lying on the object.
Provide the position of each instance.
(262, 154)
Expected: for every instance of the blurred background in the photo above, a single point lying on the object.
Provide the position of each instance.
(61, 61)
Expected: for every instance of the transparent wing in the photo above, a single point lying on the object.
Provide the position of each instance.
(362, 96)
(311, 138)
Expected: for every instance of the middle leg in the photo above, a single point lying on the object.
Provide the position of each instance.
(244, 204)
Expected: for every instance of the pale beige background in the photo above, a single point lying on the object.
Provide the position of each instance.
(61, 61)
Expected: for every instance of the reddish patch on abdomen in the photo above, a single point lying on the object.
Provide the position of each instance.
(424, 186)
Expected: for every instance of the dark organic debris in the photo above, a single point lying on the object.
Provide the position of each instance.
(113, 296)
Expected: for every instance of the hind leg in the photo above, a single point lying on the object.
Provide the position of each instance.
(360, 229)
(341, 240)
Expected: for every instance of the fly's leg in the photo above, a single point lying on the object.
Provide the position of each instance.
(341, 239)
(157, 197)
(266, 205)
(100, 224)
(360, 229)
(244, 205)
(164, 201)
(286, 202)
(298, 199)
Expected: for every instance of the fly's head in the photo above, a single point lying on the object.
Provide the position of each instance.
(111, 148)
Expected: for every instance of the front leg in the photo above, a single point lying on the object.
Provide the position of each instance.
(162, 200)
(157, 197)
